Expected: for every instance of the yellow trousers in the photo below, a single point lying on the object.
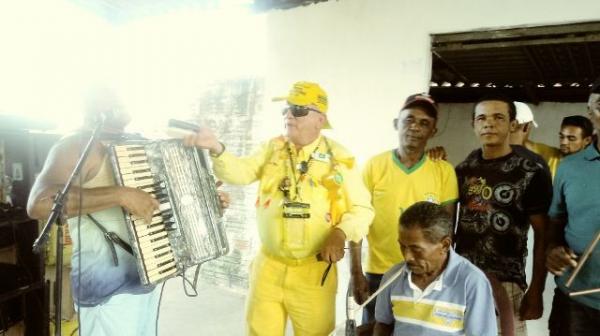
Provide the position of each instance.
(279, 289)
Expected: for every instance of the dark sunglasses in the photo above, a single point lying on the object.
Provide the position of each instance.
(298, 111)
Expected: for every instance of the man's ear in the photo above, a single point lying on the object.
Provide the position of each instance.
(396, 124)
(446, 243)
(322, 121)
(587, 140)
(513, 126)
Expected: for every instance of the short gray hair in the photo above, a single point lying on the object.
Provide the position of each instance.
(431, 218)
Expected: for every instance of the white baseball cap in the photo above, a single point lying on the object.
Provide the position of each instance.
(524, 114)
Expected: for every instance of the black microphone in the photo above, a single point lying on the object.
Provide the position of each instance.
(183, 125)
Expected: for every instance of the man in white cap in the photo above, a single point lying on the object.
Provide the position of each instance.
(520, 136)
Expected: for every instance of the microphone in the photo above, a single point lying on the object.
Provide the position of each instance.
(179, 129)
(184, 125)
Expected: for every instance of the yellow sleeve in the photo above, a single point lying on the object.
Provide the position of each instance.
(356, 221)
(241, 170)
(450, 185)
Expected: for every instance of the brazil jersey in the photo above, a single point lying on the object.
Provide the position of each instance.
(393, 188)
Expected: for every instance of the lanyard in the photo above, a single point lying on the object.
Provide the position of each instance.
(302, 168)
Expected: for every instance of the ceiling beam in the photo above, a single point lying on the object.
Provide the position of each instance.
(516, 33)
(465, 46)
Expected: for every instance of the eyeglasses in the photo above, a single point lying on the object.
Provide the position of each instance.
(298, 111)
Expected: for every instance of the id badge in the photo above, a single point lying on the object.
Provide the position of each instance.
(295, 230)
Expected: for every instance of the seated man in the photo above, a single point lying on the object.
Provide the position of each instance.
(438, 292)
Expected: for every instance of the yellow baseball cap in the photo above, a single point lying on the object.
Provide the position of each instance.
(305, 94)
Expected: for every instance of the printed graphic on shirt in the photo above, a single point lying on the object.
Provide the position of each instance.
(493, 224)
(430, 314)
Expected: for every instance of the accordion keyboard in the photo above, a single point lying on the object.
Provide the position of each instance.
(155, 249)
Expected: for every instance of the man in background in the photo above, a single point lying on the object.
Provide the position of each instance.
(574, 135)
(575, 214)
(503, 192)
(396, 179)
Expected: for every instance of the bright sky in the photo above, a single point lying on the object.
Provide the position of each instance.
(53, 50)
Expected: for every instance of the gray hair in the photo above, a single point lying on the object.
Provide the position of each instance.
(431, 218)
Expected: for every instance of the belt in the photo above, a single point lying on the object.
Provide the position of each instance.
(298, 262)
(290, 261)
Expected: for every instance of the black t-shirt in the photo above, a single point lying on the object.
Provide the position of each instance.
(535, 157)
(497, 196)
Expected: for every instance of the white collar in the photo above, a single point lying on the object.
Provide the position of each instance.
(418, 294)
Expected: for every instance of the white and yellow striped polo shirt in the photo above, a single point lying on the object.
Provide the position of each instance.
(459, 302)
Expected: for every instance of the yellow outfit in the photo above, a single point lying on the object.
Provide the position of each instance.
(393, 188)
(286, 277)
(551, 155)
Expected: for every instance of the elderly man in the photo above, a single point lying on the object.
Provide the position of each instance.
(575, 213)
(503, 192)
(396, 179)
(437, 292)
(110, 298)
(310, 201)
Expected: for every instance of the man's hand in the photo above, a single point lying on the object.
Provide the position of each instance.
(532, 306)
(333, 249)
(224, 197)
(138, 203)
(204, 138)
(360, 287)
(559, 258)
(437, 153)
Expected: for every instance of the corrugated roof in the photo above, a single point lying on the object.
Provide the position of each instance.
(551, 63)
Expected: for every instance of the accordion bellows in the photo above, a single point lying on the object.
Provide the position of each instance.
(188, 229)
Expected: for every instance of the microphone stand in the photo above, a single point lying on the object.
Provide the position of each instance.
(57, 216)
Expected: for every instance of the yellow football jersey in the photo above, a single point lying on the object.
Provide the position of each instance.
(393, 188)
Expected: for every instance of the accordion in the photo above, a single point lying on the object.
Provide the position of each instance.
(187, 230)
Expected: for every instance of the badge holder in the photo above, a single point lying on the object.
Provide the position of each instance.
(295, 233)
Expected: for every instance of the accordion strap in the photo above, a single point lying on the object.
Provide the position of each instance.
(112, 239)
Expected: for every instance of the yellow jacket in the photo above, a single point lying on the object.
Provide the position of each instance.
(347, 207)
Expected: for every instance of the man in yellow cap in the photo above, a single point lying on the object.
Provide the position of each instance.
(310, 201)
